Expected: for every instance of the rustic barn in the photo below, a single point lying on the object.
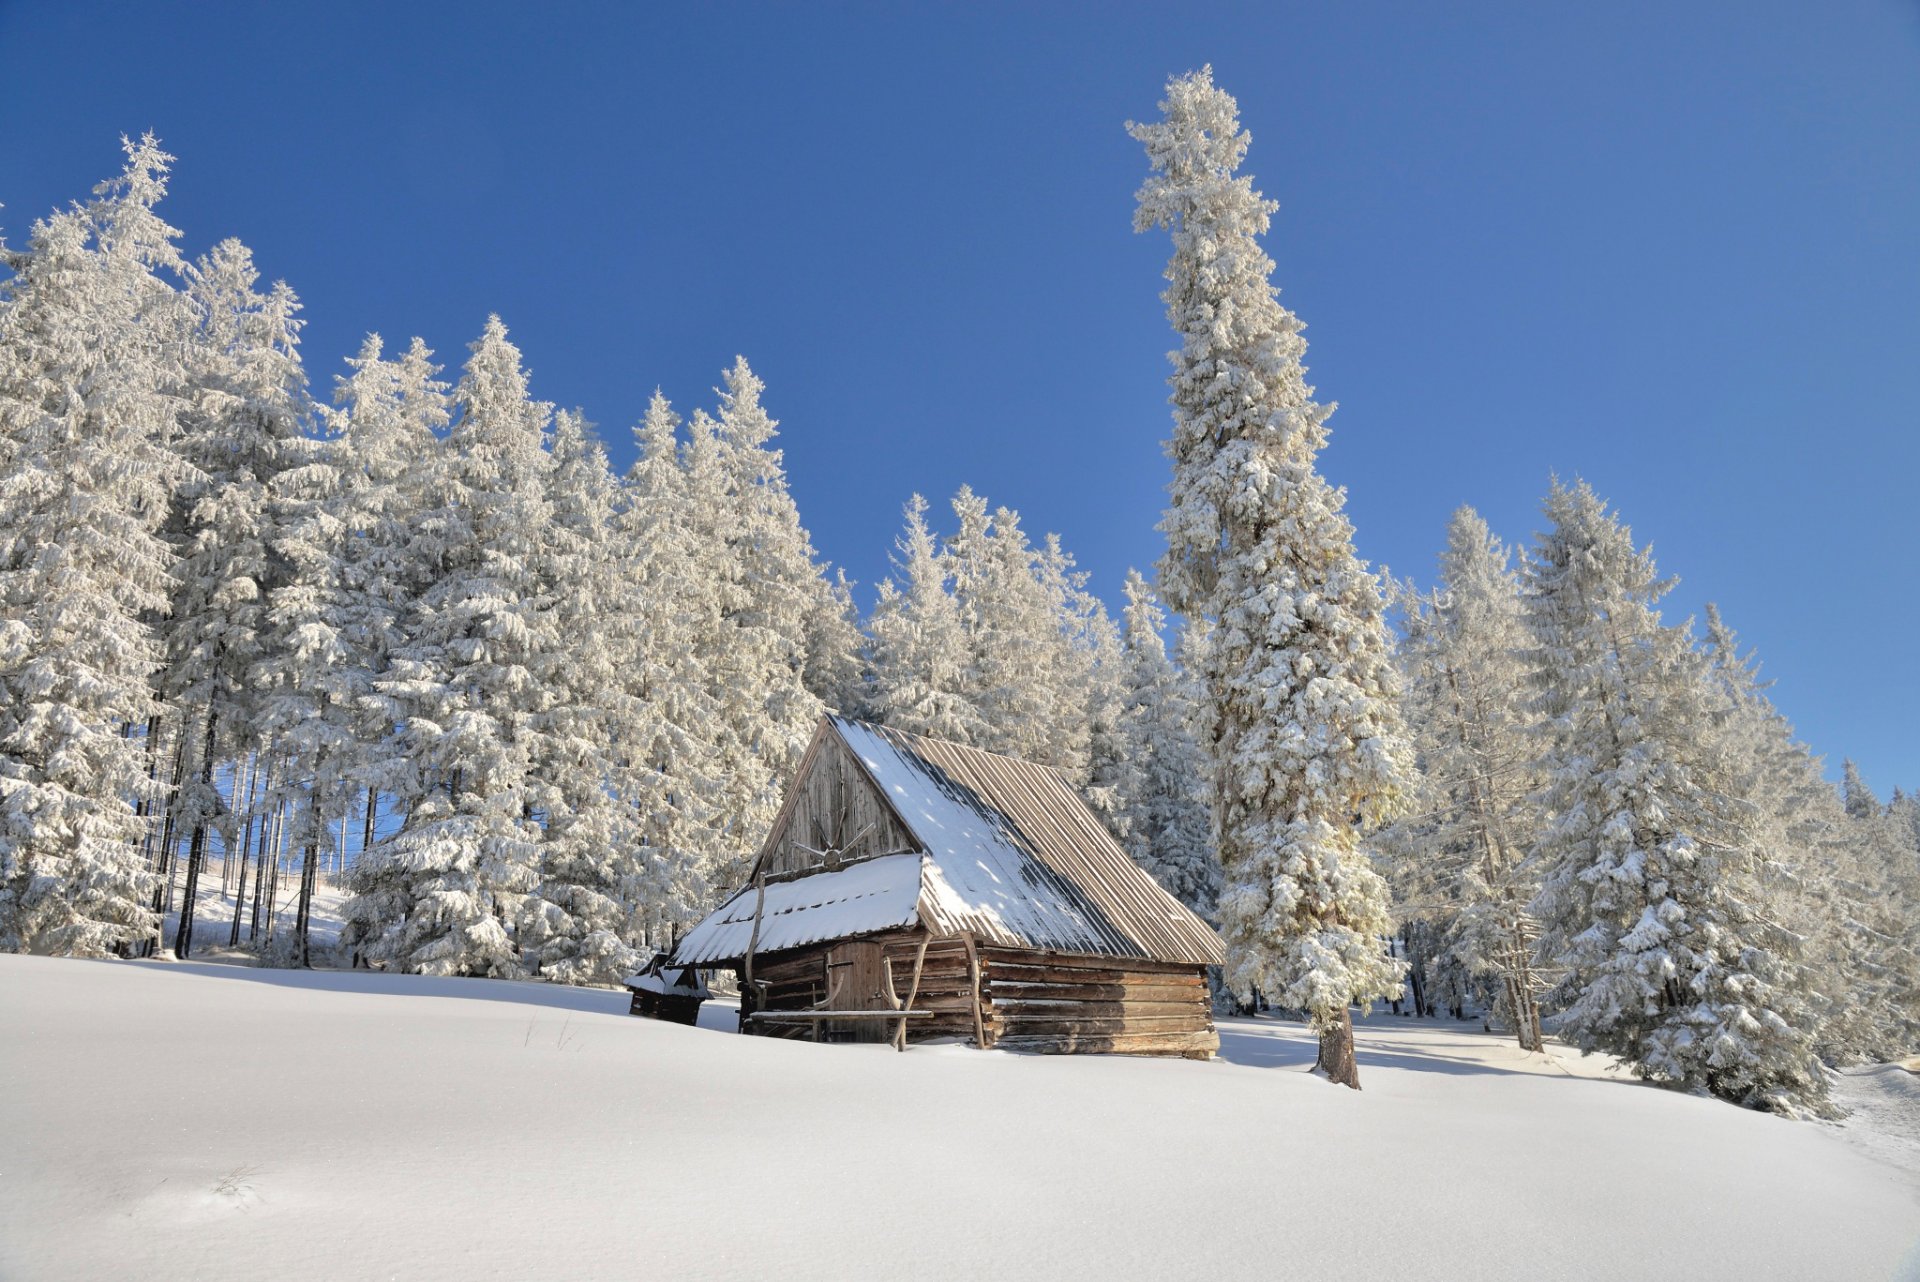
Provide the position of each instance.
(911, 888)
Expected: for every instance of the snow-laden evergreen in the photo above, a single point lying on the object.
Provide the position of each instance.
(1167, 825)
(91, 354)
(1820, 890)
(578, 925)
(1653, 901)
(243, 424)
(757, 560)
(666, 767)
(1307, 755)
(1462, 855)
(920, 655)
(473, 682)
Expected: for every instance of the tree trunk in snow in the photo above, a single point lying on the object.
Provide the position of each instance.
(304, 913)
(183, 936)
(1336, 1053)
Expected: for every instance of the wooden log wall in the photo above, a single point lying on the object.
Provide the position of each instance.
(1068, 1002)
(1029, 1000)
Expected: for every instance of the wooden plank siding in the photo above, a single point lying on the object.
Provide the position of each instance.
(831, 806)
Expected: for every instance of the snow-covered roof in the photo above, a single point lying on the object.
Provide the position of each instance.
(860, 899)
(1009, 853)
(688, 985)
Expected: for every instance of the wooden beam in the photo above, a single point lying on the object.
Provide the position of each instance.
(973, 983)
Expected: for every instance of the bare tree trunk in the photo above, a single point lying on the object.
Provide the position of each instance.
(260, 855)
(163, 856)
(246, 850)
(273, 878)
(1336, 1053)
(304, 913)
(226, 852)
(373, 806)
(183, 936)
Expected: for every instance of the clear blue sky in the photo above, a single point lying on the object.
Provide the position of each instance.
(1672, 249)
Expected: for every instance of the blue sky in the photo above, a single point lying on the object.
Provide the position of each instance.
(1667, 248)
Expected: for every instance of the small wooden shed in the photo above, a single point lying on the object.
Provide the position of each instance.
(912, 888)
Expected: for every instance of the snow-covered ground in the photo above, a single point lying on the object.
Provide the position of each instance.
(214, 1121)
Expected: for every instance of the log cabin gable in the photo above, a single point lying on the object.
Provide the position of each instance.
(834, 815)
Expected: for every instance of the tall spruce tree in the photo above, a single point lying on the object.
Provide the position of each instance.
(1305, 743)
(578, 926)
(1653, 901)
(759, 562)
(387, 416)
(667, 769)
(1466, 695)
(1167, 826)
(244, 424)
(443, 894)
(919, 654)
(90, 348)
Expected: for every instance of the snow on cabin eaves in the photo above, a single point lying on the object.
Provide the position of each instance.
(1014, 857)
(860, 899)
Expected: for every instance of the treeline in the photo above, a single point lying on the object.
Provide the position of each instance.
(1612, 820)
(540, 713)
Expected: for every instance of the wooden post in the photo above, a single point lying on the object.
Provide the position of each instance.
(973, 975)
(753, 942)
(913, 990)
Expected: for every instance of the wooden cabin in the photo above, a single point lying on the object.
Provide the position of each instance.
(912, 888)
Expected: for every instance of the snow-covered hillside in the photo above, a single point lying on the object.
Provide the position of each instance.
(212, 1121)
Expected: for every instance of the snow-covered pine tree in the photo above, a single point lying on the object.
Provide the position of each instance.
(1168, 826)
(665, 769)
(1466, 697)
(1307, 755)
(760, 562)
(919, 650)
(1082, 647)
(243, 425)
(387, 415)
(90, 339)
(1653, 904)
(443, 894)
(1820, 892)
(1012, 677)
(1886, 903)
(578, 925)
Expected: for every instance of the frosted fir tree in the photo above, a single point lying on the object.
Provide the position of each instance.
(1306, 746)
(834, 672)
(242, 426)
(1168, 826)
(1653, 902)
(1883, 877)
(759, 561)
(578, 925)
(1083, 649)
(1466, 700)
(920, 655)
(90, 337)
(1838, 908)
(443, 894)
(1012, 675)
(667, 772)
(387, 416)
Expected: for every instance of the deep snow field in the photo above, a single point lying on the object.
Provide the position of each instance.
(174, 1120)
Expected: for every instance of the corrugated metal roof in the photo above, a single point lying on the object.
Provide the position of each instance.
(1015, 857)
(1010, 855)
